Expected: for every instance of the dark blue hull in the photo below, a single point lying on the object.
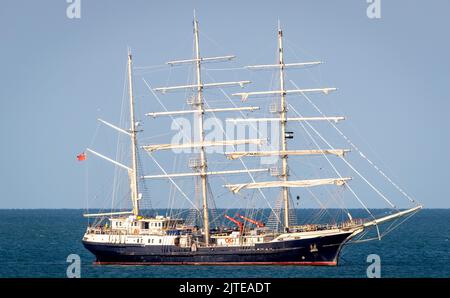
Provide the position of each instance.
(315, 251)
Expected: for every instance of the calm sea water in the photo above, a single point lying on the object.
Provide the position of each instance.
(36, 243)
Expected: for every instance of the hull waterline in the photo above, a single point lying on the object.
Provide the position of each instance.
(319, 251)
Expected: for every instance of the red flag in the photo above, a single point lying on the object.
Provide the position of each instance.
(81, 156)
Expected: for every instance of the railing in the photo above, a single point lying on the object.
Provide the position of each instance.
(104, 231)
(101, 230)
(353, 222)
(322, 227)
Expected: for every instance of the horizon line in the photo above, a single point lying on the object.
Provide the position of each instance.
(161, 208)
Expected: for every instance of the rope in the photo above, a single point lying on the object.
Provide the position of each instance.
(394, 227)
(150, 67)
(87, 171)
(173, 182)
(341, 204)
(116, 173)
(156, 162)
(240, 159)
(348, 163)
(326, 157)
(322, 206)
(228, 68)
(359, 151)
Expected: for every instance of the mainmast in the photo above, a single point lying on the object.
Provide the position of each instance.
(199, 103)
(133, 171)
(198, 110)
(284, 157)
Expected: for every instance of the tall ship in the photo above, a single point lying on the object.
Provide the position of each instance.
(136, 237)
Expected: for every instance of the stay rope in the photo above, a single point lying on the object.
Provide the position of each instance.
(348, 163)
(329, 161)
(360, 153)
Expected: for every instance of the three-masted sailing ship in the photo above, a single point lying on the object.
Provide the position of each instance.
(129, 237)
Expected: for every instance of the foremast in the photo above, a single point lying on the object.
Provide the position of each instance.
(283, 153)
(284, 157)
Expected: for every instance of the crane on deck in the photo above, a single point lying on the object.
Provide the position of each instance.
(259, 224)
(237, 222)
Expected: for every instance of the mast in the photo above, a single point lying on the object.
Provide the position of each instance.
(133, 171)
(198, 110)
(284, 157)
(203, 165)
(282, 92)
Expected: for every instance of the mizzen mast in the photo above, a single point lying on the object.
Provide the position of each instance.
(133, 171)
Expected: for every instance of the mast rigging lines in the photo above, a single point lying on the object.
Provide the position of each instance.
(198, 110)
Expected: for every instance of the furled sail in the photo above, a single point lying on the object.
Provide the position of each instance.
(239, 154)
(235, 188)
(155, 147)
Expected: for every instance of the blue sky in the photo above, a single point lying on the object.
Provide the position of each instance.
(61, 74)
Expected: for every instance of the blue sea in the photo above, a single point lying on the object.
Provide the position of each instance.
(36, 243)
